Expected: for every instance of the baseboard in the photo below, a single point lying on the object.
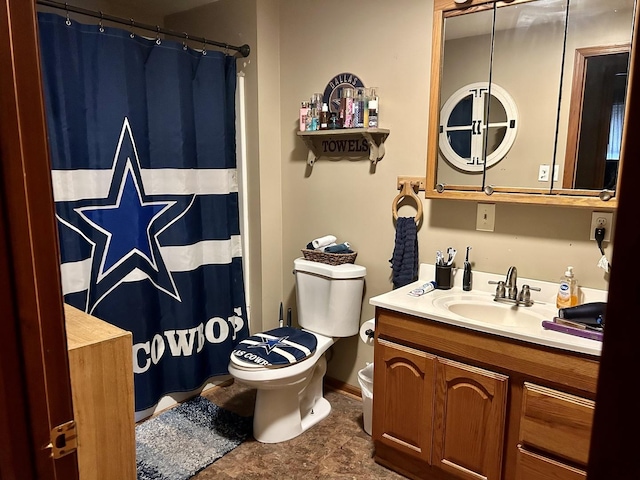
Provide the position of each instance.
(342, 387)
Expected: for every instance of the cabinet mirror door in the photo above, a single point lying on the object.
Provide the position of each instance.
(593, 98)
(464, 98)
(527, 63)
(528, 100)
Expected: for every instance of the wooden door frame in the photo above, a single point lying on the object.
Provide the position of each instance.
(34, 371)
(616, 416)
(576, 104)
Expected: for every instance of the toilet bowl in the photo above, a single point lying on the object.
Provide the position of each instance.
(289, 399)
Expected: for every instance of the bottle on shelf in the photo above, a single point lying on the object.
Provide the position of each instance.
(373, 108)
(304, 107)
(324, 117)
(346, 107)
(358, 108)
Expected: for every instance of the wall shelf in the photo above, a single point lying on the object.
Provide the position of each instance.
(329, 142)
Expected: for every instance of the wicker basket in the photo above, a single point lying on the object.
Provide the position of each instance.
(329, 258)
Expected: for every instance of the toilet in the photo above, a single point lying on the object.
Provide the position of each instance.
(287, 365)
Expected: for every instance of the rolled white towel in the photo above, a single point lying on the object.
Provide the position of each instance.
(323, 241)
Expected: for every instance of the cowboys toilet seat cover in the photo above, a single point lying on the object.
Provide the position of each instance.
(279, 347)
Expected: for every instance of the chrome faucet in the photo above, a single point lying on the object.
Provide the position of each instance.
(511, 283)
(507, 291)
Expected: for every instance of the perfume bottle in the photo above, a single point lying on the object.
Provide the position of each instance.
(373, 108)
(358, 108)
(346, 107)
(324, 117)
(304, 107)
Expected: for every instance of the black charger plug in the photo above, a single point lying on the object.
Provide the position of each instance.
(599, 235)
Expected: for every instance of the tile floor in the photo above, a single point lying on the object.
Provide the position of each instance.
(338, 447)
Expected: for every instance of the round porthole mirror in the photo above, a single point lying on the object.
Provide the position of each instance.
(476, 121)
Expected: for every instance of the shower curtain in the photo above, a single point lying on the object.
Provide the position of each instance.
(142, 140)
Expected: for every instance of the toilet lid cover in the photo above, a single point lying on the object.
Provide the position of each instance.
(276, 348)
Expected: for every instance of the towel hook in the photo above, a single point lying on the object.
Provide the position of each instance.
(407, 191)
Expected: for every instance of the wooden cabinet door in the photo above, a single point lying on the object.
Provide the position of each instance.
(403, 388)
(469, 420)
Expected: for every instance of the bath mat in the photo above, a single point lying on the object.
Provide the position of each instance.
(179, 443)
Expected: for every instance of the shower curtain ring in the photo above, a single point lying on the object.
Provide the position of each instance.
(184, 42)
(226, 49)
(100, 23)
(68, 20)
(131, 34)
(158, 41)
(204, 46)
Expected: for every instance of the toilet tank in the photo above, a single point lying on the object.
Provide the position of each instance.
(329, 297)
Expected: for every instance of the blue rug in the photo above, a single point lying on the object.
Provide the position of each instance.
(179, 443)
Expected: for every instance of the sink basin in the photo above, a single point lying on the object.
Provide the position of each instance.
(482, 308)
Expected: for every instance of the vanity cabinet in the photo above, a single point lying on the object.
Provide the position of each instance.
(556, 425)
(440, 411)
(452, 403)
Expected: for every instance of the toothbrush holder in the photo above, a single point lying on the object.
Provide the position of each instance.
(444, 277)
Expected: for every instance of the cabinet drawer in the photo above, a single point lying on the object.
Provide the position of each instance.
(556, 422)
(531, 466)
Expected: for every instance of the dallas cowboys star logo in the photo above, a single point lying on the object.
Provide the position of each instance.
(121, 224)
(270, 344)
(123, 227)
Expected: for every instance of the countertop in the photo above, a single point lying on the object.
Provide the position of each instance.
(530, 331)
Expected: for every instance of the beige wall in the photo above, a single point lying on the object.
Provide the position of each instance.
(353, 201)
(297, 47)
(311, 42)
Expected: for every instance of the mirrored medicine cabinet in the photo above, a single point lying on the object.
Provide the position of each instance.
(527, 101)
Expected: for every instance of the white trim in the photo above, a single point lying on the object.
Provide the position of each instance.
(74, 185)
(243, 197)
(76, 275)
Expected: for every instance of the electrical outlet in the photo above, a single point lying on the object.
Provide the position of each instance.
(543, 173)
(486, 217)
(601, 219)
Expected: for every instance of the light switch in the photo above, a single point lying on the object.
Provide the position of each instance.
(486, 217)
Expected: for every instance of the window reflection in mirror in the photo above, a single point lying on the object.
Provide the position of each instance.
(592, 110)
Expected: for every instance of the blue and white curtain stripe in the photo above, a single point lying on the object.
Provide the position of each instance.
(142, 139)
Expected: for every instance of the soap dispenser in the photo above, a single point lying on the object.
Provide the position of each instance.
(567, 290)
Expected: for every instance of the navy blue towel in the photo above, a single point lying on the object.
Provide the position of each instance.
(404, 261)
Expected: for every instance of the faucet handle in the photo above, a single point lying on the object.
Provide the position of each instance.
(525, 295)
(500, 289)
(536, 289)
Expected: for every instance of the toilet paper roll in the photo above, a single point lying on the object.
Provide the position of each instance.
(368, 325)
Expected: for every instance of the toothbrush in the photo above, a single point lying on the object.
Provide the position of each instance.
(452, 253)
(466, 276)
(288, 317)
(281, 317)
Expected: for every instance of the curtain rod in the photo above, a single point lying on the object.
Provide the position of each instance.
(243, 49)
